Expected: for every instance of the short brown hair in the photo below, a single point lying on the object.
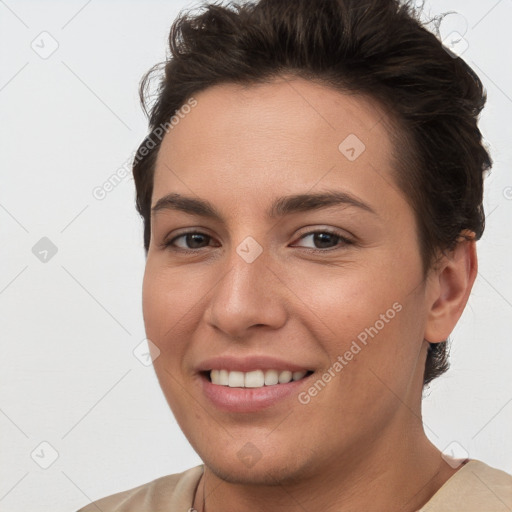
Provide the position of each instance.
(374, 47)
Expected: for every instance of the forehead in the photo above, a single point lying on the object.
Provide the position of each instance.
(284, 107)
(289, 134)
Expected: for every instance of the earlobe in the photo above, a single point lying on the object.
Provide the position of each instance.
(450, 286)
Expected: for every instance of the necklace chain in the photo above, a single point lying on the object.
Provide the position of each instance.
(203, 504)
(204, 493)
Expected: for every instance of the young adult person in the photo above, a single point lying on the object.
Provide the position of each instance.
(311, 189)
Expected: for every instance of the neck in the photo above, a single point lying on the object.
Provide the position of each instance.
(400, 473)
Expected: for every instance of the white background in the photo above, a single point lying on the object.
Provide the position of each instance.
(68, 327)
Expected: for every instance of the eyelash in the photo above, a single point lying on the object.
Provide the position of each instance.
(345, 241)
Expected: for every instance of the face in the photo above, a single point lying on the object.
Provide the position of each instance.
(281, 247)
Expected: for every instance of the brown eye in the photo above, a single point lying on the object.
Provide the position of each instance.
(190, 241)
(325, 240)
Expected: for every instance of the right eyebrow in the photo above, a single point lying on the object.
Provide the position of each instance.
(190, 205)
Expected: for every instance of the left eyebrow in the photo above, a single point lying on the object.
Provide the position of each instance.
(304, 202)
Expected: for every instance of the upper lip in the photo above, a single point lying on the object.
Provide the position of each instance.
(249, 363)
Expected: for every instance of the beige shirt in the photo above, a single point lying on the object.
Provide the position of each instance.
(475, 487)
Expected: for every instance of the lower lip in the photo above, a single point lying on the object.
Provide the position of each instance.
(249, 399)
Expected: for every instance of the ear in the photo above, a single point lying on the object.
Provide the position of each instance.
(449, 286)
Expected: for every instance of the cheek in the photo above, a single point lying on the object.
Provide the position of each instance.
(165, 304)
(371, 361)
(369, 317)
(344, 303)
(153, 303)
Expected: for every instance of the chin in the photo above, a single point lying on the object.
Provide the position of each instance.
(273, 470)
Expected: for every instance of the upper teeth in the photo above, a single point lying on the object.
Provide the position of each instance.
(254, 379)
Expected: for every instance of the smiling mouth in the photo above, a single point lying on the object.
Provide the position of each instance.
(253, 379)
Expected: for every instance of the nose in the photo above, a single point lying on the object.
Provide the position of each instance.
(249, 296)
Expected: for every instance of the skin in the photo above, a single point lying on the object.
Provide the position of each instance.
(359, 444)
